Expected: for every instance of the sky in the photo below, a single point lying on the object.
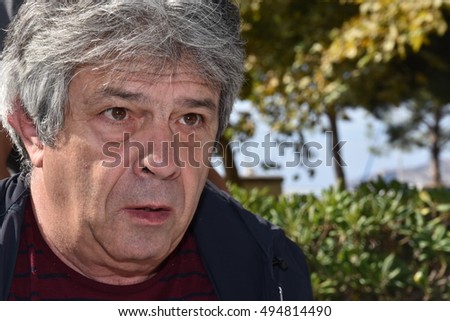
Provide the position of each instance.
(358, 135)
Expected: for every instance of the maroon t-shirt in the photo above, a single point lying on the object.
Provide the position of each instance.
(40, 275)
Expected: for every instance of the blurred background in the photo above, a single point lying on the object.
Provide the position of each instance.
(372, 75)
(341, 137)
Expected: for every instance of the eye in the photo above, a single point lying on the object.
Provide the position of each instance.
(191, 119)
(116, 113)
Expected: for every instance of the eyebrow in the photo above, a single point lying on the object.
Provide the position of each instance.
(121, 93)
(197, 103)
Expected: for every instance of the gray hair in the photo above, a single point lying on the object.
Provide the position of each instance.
(48, 40)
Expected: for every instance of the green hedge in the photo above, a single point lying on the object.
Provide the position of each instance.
(378, 242)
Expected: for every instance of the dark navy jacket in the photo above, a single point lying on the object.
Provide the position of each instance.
(246, 257)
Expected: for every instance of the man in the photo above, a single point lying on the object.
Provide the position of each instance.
(115, 106)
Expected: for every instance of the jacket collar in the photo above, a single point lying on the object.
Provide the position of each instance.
(236, 248)
(13, 195)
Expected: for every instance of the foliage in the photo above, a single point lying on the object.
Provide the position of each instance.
(317, 52)
(308, 59)
(283, 42)
(379, 242)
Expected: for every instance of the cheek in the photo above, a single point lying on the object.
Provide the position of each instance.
(76, 171)
(85, 149)
(201, 153)
(194, 179)
(208, 150)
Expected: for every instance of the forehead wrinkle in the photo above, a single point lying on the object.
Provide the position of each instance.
(114, 81)
(112, 91)
(193, 103)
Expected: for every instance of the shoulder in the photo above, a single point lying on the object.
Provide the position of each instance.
(224, 208)
(13, 193)
(13, 199)
(226, 227)
(227, 212)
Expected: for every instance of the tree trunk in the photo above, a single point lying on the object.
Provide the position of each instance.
(435, 134)
(339, 173)
(231, 173)
(436, 179)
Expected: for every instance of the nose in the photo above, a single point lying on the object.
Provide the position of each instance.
(159, 160)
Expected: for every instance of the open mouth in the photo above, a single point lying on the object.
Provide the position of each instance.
(152, 215)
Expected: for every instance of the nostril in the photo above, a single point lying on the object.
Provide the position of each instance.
(146, 170)
(165, 169)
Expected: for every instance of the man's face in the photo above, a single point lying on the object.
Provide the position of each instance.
(119, 189)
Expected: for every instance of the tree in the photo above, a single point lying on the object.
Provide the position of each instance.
(423, 127)
(315, 58)
(412, 39)
(428, 107)
(242, 130)
(280, 64)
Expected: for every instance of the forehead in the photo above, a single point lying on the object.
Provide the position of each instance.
(93, 84)
(124, 72)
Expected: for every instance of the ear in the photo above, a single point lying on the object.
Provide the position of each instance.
(25, 128)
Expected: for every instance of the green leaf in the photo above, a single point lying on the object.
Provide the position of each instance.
(387, 264)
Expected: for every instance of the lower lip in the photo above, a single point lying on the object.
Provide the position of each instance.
(150, 217)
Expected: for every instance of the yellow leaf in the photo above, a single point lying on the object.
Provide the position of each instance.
(425, 197)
